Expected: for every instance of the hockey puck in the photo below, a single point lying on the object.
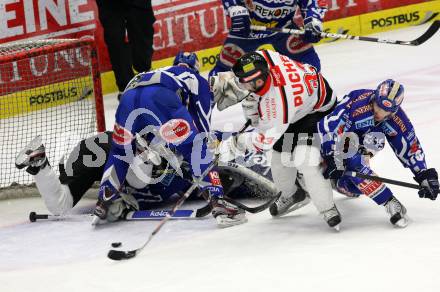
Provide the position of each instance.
(116, 244)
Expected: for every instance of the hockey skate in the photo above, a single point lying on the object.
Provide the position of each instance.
(287, 204)
(332, 217)
(397, 212)
(227, 214)
(33, 156)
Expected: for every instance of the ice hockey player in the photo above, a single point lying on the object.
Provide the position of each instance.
(278, 14)
(277, 92)
(171, 105)
(357, 129)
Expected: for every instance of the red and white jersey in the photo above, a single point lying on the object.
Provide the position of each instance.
(292, 91)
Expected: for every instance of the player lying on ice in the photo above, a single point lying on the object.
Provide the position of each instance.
(290, 97)
(177, 101)
(368, 117)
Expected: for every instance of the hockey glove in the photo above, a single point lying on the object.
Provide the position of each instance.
(334, 168)
(112, 206)
(232, 147)
(428, 181)
(226, 90)
(312, 30)
(240, 21)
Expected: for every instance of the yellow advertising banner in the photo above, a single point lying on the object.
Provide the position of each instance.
(400, 17)
(44, 97)
(348, 25)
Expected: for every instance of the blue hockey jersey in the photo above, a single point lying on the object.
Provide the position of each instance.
(172, 106)
(355, 114)
(279, 13)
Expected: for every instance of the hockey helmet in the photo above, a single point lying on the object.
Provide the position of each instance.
(389, 95)
(187, 59)
(251, 67)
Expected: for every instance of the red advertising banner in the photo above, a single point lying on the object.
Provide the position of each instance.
(181, 24)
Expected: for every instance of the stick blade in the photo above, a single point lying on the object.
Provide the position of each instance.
(435, 26)
(118, 255)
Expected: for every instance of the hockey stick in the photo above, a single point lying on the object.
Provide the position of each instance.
(134, 215)
(118, 255)
(382, 179)
(159, 214)
(256, 209)
(433, 28)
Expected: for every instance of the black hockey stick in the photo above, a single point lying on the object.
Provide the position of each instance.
(382, 179)
(256, 209)
(433, 28)
(118, 255)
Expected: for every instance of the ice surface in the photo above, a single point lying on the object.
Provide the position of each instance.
(295, 253)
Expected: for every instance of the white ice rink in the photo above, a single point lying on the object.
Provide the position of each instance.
(294, 253)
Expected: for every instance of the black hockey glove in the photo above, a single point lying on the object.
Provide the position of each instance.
(332, 171)
(428, 181)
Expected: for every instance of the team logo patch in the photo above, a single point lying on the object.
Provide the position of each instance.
(367, 122)
(414, 146)
(295, 44)
(371, 188)
(248, 67)
(388, 130)
(175, 131)
(121, 136)
(387, 103)
(214, 177)
(278, 78)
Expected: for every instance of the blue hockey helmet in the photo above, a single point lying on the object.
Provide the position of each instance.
(389, 95)
(187, 59)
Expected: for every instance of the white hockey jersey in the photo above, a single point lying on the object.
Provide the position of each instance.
(292, 91)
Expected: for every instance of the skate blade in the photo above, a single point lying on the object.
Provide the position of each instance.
(224, 221)
(337, 227)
